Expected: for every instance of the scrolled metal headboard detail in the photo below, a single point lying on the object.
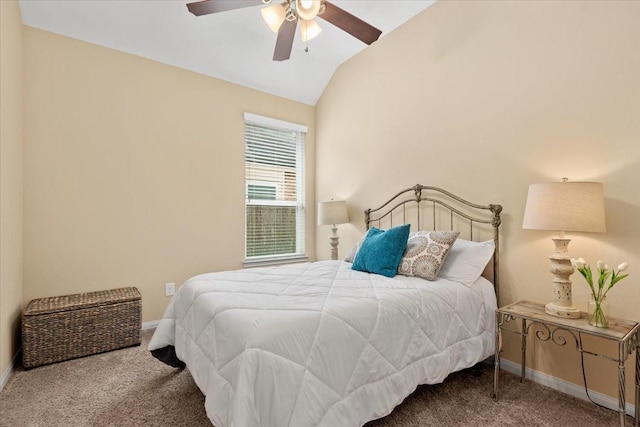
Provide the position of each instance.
(457, 207)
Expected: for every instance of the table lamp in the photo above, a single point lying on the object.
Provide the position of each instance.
(564, 206)
(333, 213)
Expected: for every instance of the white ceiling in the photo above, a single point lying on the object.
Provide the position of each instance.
(235, 46)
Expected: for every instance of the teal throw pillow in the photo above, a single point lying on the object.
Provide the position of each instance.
(382, 250)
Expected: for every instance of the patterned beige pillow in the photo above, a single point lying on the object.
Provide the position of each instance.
(425, 253)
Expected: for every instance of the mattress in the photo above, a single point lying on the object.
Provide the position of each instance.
(319, 344)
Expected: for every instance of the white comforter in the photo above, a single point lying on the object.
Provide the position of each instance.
(319, 343)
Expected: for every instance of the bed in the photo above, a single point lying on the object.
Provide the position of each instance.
(324, 344)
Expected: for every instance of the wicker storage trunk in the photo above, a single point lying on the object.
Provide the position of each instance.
(70, 326)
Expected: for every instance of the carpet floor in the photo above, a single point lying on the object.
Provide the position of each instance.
(128, 387)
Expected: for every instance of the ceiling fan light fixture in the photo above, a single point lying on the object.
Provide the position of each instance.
(309, 29)
(273, 16)
(307, 9)
(290, 14)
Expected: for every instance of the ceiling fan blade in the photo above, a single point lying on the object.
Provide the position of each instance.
(284, 43)
(349, 23)
(206, 7)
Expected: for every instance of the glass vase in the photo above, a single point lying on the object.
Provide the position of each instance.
(597, 312)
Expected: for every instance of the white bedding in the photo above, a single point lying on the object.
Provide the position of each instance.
(321, 344)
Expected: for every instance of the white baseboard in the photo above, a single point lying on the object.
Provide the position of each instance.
(150, 325)
(565, 386)
(7, 372)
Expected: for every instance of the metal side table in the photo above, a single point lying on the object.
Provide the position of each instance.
(625, 333)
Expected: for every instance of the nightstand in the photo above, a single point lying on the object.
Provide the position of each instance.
(625, 333)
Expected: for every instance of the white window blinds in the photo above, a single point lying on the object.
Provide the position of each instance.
(274, 188)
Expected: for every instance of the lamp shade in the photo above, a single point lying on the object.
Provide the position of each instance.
(274, 16)
(307, 9)
(565, 206)
(333, 212)
(309, 29)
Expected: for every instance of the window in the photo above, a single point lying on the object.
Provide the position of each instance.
(260, 191)
(274, 189)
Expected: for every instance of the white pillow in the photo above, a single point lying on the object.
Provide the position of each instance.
(466, 261)
(354, 251)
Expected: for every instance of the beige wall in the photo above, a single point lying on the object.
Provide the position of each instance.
(11, 145)
(485, 98)
(134, 170)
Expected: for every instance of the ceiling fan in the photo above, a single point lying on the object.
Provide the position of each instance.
(283, 19)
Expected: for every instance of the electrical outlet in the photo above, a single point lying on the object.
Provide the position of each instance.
(169, 289)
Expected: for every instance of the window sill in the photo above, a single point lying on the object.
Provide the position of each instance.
(266, 261)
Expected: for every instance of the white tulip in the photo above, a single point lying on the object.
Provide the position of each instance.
(578, 263)
(623, 266)
(601, 265)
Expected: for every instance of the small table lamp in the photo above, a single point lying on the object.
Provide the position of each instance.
(564, 206)
(333, 213)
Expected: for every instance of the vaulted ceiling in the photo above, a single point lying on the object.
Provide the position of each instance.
(236, 46)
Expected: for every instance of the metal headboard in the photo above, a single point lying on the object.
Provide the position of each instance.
(459, 211)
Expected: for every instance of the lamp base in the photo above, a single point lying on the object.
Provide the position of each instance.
(561, 269)
(334, 243)
(560, 311)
